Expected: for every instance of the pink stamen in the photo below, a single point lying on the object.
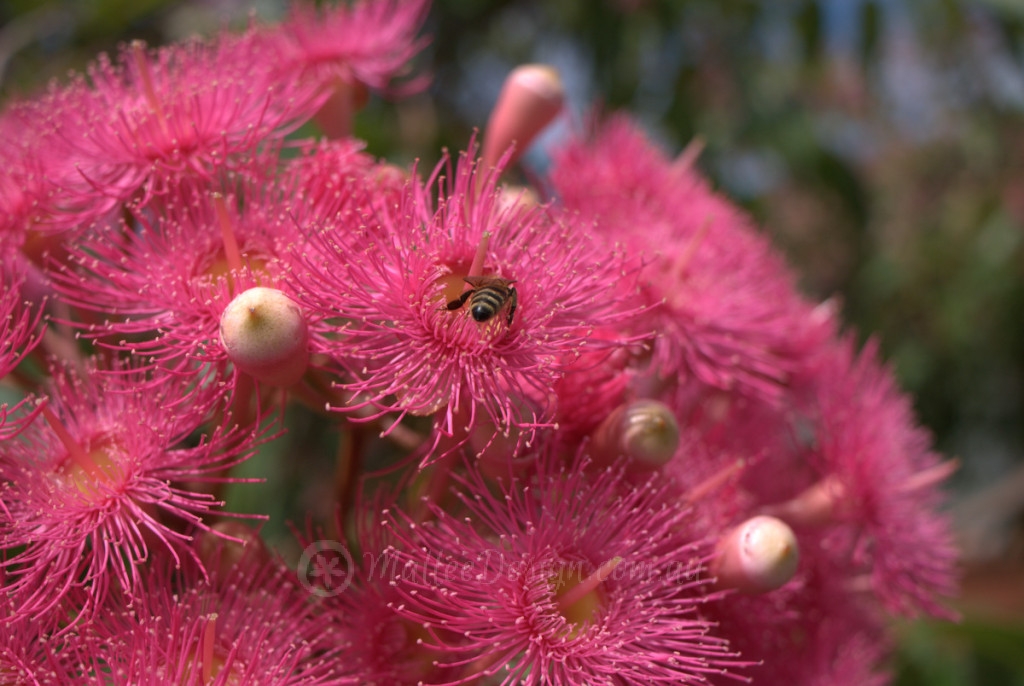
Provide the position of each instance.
(576, 593)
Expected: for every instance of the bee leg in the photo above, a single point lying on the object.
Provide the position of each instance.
(513, 300)
(460, 301)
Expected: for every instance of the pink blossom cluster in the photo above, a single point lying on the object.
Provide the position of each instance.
(624, 448)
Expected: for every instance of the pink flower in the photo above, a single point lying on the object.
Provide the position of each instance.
(367, 42)
(814, 630)
(392, 283)
(253, 625)
(95, 483)
(346, 49)
(844, 464)
(381, 645)
(142, 126)
(332, 175)
(775, 419)
(749, 496)
(24, 189)
(561, 579)
(335, 180)
(161, 289)
(723, 302)
(735, 456)
(881, 482)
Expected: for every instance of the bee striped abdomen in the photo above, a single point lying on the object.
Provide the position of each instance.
(486, 302)
(487, 297)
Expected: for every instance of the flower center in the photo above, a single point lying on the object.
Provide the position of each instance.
(581, 598)
(99, 474)
(454, 285)
(94, 472)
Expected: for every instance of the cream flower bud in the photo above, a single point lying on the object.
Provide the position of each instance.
(265, 334)
(758, 556)
(644, 431)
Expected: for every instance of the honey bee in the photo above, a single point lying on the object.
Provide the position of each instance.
(488, 295)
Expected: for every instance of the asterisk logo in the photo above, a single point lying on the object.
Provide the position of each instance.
(328, 569)
(321, 571)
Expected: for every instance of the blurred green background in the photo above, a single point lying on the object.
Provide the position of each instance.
(880, 143)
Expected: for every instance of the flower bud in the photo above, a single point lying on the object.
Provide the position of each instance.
(645, 431)
(530, 99)
(758, 556)
(265, 335)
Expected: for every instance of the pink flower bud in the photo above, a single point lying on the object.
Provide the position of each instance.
(758, 556)
(530, 99)
(265, 334)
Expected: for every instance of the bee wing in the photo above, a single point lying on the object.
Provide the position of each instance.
(484, 281)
